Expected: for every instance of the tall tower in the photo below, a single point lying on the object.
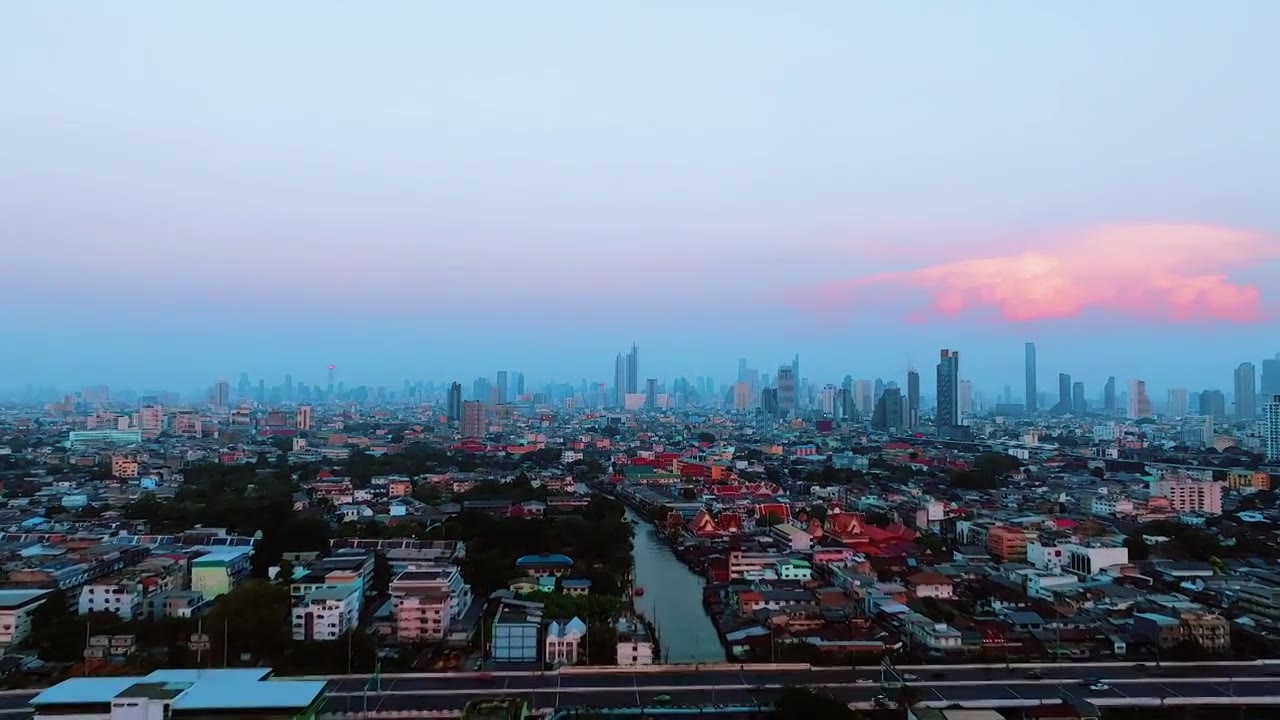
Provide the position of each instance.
(619, 381)
(1271, 377)
(913, 398)
(473, 419)
(222, 394)
(1031, 378)
(786, 390)
(1246, 391)
(332, 372)
(633, 369)
(1109, 396)
(1139, 403)
(455, 402)
(502, 387)
(1078, 404)
(948, 389)
(1271, 429)
(1064, 393)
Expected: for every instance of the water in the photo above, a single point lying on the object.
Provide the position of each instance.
(672, 600)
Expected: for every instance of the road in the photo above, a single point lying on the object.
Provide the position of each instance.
(747, 685)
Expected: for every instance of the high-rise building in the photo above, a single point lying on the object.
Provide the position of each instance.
(1064, 393)
(651, 393)
(519, 384)
(221, 394)
(769, 402)
(1109, 396)
(1078, 405)
(913, 399)
(633, 369)
(454, 402)
(1178, 406)
(481, 389)
(151, 421)
(1213, 404)
(1271, 429)
(1030, 391)
(786, 390)
(827, 400)
(948, 389)
(864, 396)
(888, 412)
(332, 376)
(288, 388)
(1139, 402)
(302, 417)
(502, 387)
(619, 381)
(879, 388)
(966, 397)
(742, 396)
(473, 419)
(1271, 377)
(1246, 391)
(245, 389)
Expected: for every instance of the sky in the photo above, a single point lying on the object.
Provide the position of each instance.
(442, 190)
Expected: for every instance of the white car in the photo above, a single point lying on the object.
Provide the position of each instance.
(910, 676)
(1099, 687)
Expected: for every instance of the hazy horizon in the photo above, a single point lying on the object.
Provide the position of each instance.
(429, 191)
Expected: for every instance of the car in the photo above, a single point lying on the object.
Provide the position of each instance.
(910, 676)
(1099, 687)
(1035, 675)
(477, 666)
(662, 699)
(861, 680)
(881, 701)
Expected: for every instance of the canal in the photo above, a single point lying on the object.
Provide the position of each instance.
(672, 600)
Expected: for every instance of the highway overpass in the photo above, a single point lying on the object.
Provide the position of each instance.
(991, 686)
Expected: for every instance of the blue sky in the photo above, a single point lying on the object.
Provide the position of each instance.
(442, 190)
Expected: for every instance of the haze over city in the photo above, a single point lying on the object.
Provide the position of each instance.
(440, 192)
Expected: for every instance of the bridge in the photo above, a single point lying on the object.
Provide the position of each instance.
(1243, 684)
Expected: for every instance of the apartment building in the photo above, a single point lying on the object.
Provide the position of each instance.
(635, 647)
(326, 613)
(1260, 599)
(428, 600)
(1209, 630)
(16, 609)
(1186, 495)
(220, 571)
(346, 567)
(1091, 558)
(1008, 544)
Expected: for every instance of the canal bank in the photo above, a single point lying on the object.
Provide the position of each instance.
(672, 599)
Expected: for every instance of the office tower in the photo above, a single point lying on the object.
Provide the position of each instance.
(844, 403)
(948, 389)
(633, 369)
(1109, 396)
(742, 396)
(1178, 406)
(879, 389)
(481, 389)
(222, 394)
(966, 397)
(302, 417)
(244, 389)
(1271, 429)
(1213, 404)
(863, 395)
(332, 375)
(473, 419)
(619, 381)
(1064, 393)
(742, 369)
(151, 421)
(1078, 405)
(913, 399)
(1271, 377)
(1246, 391)
(1030, 390)
(288, 388)
(888, 412)
(1139, 403)
(651, 393)
(453, 402)
(262, 391)
(769, 402)
(519, 385)
(501, 384)
(786, 390)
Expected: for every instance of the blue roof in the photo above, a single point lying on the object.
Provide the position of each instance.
(266, 694)
(544, 559)
(576, 582)
(228, 689)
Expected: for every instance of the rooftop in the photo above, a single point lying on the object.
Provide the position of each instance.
(232, 689)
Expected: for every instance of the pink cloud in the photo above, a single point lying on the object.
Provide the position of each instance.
(1179, 273)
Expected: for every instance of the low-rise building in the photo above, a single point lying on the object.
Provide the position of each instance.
(16, 608)
(564, 642)
(326, 613)
(635, 647)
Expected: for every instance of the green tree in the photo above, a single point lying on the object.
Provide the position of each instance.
(254, 619)
(1138, 549)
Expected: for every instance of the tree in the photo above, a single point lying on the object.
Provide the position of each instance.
(427, 493)
(1098, 473)
(804, 704)
(381, 573)
(254, 619)
(996, 463)
(706, 437)
(1138, 549)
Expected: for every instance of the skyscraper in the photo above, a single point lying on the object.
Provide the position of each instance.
(619, 381)
(1271, 377)
(245, 388)
(786, 390)
(332, 375)
(948, 389)
(1109, 396)
(502, 387)
(1178, 402)
(888, 413)
(1271, 428)
(1078, 405)
(633, 369)
(288, 388)
(1030, 391)
(913, 399)
(1064, 393)
(519, 384)
(1213, 404)
(454, 402)
(966, 397)
(1246, 391)
(651, 393)
(864, 396)
(1139, 402)
(221, 394)
(473, 419)
(302, 417)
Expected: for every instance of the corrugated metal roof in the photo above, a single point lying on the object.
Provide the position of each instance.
(267, 694)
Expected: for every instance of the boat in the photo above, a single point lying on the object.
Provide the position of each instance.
(638, 592)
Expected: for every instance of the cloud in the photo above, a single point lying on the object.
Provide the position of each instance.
(1176, 273)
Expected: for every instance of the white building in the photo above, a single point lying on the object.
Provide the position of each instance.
(1111, 504)
(326, 614)
(635, 647)
(16, 608)
(1045, 557)
(122, 598)
(564, 642)
(1271, 429)
(1090, 559)
(1103, 432)
(933, 637)
(428, 600)
(1041, 584)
